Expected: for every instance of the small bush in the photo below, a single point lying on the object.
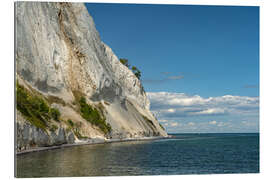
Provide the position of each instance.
(93, 116)
(55, 114)
(124, 62)
(70, 122)
(78, 135)
(53, 128)
(161, 126)
(136, 72)
(134, 69)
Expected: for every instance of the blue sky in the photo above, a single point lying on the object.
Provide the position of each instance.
(205, 55)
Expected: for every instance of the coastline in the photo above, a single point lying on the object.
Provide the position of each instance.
(91, 142)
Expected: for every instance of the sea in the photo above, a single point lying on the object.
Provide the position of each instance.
(221, 153)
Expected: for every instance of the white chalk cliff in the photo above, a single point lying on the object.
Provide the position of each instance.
(59, 54)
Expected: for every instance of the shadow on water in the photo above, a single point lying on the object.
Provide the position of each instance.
(185, 154)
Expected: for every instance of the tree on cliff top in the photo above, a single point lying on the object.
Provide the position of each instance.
(136, 72)
(124, 62)
(134, 69)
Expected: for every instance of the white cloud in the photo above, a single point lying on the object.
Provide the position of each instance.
(181, 99)
(174, 124)
(180, 112)
(191, 123)
(211, 111)
(163, 120)
(181, 105)
(213, 122)
(171, 110)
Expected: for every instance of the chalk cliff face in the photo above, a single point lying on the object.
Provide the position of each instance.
(59, 54)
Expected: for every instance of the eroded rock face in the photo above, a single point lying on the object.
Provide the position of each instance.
(59, 137)
(29, 136)
(59, 51)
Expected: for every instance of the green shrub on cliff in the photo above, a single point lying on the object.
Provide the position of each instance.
(55, 114)
(161, 126)
(34, 108)
(70, 122)
(124, 62)
(136, 72)
(93, 116)
(53, 128)
(134, 69)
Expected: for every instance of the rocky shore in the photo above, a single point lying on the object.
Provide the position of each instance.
(91, 141)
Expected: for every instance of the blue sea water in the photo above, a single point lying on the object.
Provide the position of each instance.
(184, 154)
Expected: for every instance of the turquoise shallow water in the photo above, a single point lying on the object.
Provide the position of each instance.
(184, 154)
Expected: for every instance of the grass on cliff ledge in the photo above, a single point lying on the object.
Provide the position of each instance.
(35, 108)
(161, 126)
(93, 116)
